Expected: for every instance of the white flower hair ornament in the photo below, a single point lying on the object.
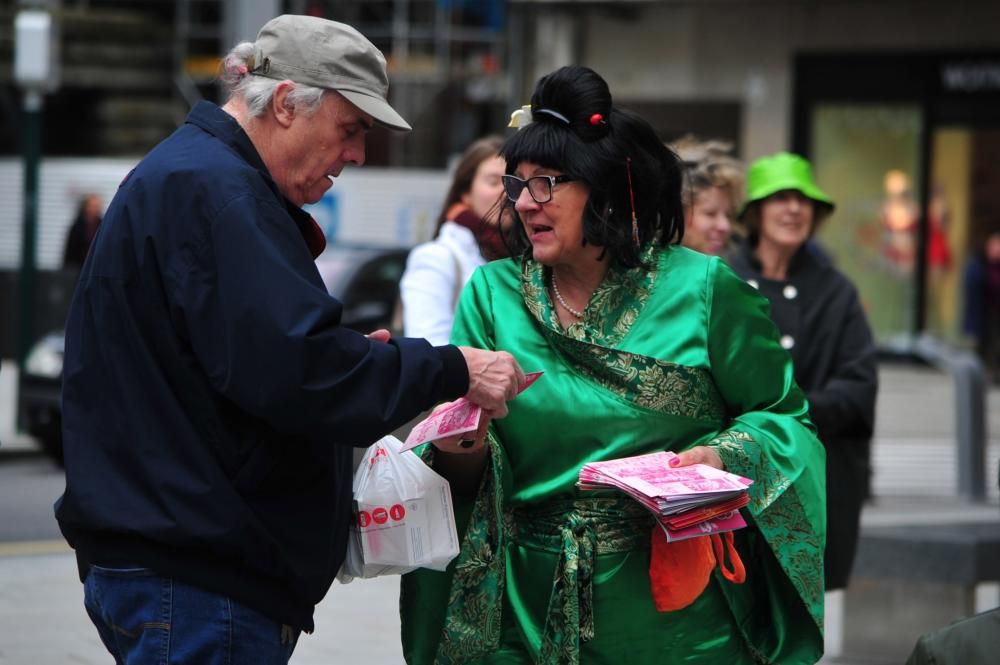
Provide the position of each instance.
(521, 117)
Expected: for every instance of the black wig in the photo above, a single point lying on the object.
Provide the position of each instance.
(601, 146)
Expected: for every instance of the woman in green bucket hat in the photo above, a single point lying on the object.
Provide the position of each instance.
(824, 328)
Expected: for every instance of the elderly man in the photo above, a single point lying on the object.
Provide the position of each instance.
(211, 397)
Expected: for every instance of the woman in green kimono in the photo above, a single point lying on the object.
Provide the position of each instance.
(645, 346)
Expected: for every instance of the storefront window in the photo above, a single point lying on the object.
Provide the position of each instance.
(866, 156)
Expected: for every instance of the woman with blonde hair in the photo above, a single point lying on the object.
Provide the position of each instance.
(712, 193)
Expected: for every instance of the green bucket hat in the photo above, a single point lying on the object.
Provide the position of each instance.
(780, 171)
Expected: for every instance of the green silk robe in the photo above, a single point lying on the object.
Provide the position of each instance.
(664, 359)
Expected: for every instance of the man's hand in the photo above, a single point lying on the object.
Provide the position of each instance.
(494, 378)
(380, 335)
(699, 455)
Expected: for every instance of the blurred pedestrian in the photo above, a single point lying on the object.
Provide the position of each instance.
(712, 194)
(646, 347)
(981, 303)
(210, 395)
(468, 235)
(82, 231)
(823, 327)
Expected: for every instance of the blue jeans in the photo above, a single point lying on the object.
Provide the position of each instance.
(145, 619)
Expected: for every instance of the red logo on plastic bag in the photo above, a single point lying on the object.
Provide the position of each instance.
(397, 512)
(379, 452)
(380, 515)
(364, 518)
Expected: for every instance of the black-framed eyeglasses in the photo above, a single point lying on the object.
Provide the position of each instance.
(539, 186)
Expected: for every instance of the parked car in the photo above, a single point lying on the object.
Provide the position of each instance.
(364, 279)
(40, 393)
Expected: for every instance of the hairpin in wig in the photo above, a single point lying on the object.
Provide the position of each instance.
(524, 116)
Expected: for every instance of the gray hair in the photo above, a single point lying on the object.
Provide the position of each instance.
(257, 91)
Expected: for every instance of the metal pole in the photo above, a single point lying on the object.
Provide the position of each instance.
(31, 149)
(970, 425)
(918, 323)
(970, 412)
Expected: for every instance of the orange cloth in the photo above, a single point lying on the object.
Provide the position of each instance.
(455, 210)
(679, 571)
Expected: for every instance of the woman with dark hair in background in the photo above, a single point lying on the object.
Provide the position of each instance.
(81, 233)
(981, 303)
(465, 239)
(646, 346)
(824, 328)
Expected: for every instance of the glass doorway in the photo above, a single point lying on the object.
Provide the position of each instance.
(867, 157)
(964, 207)
(908, 145)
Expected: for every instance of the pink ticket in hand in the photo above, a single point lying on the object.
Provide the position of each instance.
(459, 417)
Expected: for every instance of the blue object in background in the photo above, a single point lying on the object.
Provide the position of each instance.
(487, 13)
(326, 212)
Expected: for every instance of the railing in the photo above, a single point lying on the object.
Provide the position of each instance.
(970, 411)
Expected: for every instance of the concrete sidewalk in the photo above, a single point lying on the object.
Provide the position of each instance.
(42, 620)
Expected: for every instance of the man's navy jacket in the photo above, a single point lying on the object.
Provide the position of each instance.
(210, 395)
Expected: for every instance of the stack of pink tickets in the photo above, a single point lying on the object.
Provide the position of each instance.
(688, 501)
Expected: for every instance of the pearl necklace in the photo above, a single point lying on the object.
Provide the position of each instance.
(555, 289)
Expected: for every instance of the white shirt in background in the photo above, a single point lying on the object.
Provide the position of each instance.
(435, 273)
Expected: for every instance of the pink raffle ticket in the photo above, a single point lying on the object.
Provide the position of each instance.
(459, 417)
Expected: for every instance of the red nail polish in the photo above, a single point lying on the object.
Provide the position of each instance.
(674, 461)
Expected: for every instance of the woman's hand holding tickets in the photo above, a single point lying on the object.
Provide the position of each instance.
(699, 455)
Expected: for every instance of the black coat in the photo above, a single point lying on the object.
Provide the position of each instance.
(971, 641)
(826, 332)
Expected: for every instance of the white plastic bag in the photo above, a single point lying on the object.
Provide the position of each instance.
(403, 515)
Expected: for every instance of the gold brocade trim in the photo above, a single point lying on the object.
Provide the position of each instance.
(589, 345)
(472, 623)
(578, 530)
(780, 515)
(787, 532)
(741, 454)
(621, 523)
(613, 307)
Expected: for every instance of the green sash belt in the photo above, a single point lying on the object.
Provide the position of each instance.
(578, 530)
